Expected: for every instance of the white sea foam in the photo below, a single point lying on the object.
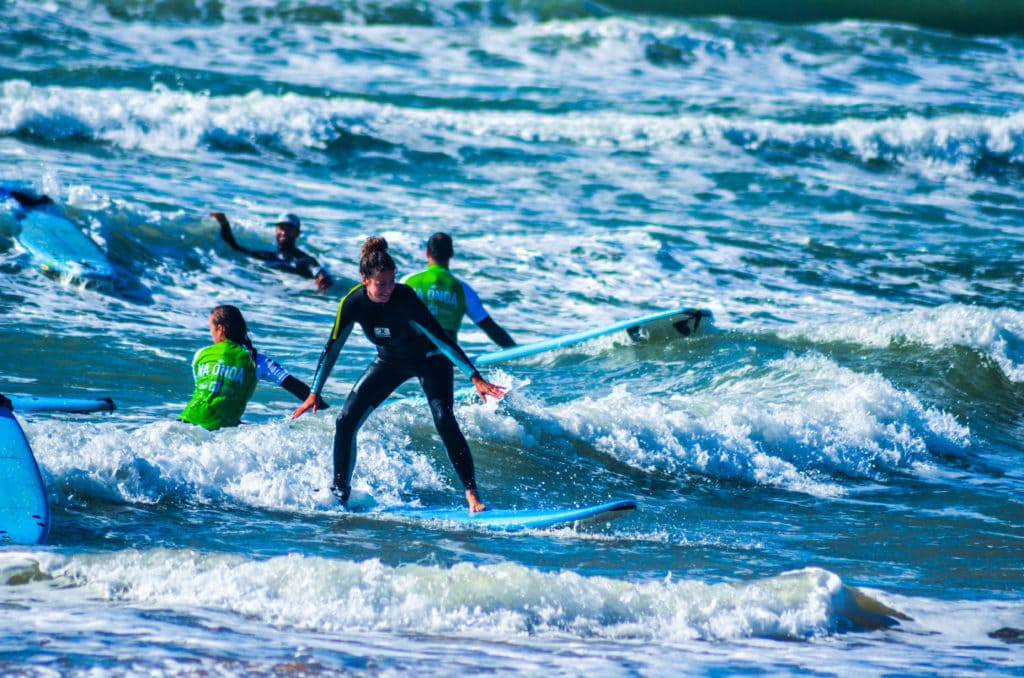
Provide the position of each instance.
(501, 600)
(996, 333)
(802, 422)
(277, 463)
(162, 121)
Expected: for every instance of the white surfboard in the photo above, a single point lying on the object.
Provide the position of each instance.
(513, 520)
(61, 250)
(679, 322)
(24, 509)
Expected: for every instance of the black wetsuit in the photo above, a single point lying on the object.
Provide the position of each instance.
(288, 258)
(291, 260)
(410, 343)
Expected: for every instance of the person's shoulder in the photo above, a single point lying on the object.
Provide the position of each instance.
(354, 295)
(206, 354)
(416, 278)
(465, 285)
(403, 289)
(404, 294)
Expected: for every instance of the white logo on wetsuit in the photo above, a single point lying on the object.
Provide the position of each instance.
(382, 332)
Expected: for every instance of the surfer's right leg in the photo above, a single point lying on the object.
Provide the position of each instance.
(376, 384)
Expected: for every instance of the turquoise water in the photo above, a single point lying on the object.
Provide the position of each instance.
(845, 197)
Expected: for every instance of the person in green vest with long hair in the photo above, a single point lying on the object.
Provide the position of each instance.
(450, 298)
(226, 373)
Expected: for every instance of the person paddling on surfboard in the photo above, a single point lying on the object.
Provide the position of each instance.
(287, 257)
(449, 298)
(410, 343)
(226, 374)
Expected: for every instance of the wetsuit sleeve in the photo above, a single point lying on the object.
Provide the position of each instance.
(495, 333)
(306, 266)
(426, 324)
(478, 314)
(343, 322)
(474, 307)
(229, 237)
(269, 370)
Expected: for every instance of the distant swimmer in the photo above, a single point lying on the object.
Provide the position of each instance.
(226, 374)
(287, 257)
(410, 343)
(449, 298)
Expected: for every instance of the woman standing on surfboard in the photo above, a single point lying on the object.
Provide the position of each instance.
(226, 373)
(410, 343)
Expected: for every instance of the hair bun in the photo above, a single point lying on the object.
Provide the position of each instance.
(374, 244)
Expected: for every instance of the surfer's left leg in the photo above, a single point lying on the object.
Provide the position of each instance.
(438, 383)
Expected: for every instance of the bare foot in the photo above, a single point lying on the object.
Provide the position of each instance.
(475, 505)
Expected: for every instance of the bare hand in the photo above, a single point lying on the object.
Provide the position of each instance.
(220, 218)
(486, 388)
(309, 403)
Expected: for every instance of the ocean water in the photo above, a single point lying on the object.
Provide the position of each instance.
(829, 478)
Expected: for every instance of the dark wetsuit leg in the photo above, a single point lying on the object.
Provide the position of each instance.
(378, 382)
(438, 383)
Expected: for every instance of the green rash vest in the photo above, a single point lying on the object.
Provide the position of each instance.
(225, 381)
(443, 294)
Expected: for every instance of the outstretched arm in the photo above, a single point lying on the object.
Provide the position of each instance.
(478, 314)
(229, 238)
(301, 391)
(496, 333)
(225, 231)
(343, 323)
(427, 325)
(269, 370)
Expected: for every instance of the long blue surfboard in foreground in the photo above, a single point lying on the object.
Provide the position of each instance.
(682, 322)
(512, 520)
(72, 405)
(24, 509)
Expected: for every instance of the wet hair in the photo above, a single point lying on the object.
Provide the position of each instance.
(374, 257)
(440, 248)
(235, 329)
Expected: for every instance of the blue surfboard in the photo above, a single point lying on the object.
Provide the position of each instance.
(683, 322)
(24, 509)
(61, 250)
(73, 405)
(513, 520)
